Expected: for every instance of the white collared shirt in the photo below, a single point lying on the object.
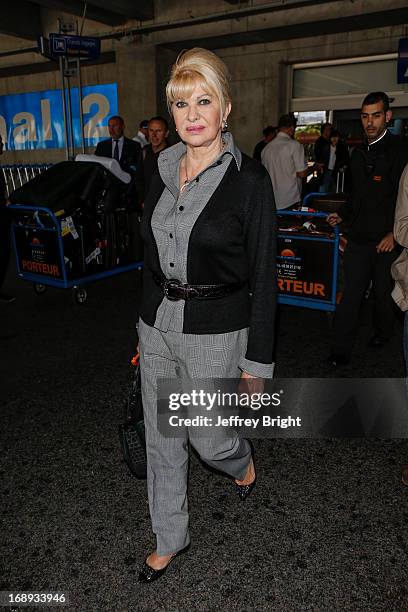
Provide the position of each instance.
(141, 139)
(332, 159)
(283, 157)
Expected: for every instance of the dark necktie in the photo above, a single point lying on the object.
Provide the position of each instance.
(116, 151)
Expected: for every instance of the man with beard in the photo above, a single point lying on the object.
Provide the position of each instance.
(376, 168)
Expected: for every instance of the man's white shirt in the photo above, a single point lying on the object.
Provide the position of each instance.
(141, 139)
(283, 157)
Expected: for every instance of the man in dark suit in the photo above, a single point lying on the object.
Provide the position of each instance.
(128, 153)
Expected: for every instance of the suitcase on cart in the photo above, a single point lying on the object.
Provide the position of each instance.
(328, 202)
(71, 225)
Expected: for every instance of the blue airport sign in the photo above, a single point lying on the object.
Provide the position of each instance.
(35, 120)
(84, 47)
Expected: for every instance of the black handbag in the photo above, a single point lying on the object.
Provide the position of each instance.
(132, 431)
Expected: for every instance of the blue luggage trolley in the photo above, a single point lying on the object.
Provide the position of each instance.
(50, 251)
(307, 260)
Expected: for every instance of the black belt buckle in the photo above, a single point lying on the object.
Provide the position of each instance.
(173, 290)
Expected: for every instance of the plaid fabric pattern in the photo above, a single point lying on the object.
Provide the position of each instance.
(176, 355)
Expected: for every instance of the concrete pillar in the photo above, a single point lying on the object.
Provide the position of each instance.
(165, 59)
(136, 78)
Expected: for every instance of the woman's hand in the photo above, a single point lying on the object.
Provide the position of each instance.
(250, 384)
(246, 375)
(333, 219)
(387, 244)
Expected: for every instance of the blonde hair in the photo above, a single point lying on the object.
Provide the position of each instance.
(199, 67)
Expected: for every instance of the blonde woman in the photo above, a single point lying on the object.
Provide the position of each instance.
(209, 288)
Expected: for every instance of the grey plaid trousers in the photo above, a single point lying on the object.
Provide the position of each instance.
(174, 354)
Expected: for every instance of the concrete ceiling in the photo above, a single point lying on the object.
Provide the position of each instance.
(118, 12)
(104, 11)
(12, 24)
(377, 19)
(111, 13)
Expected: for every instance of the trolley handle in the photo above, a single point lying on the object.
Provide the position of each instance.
(36, 210)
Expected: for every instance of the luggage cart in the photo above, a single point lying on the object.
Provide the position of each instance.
(74, 224)
(49, 251)
(307, 260)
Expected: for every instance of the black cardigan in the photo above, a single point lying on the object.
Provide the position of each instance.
(233, 239)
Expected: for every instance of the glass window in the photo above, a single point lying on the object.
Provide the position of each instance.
(310, 117)
(345, 79)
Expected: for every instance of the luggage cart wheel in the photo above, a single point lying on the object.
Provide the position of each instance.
(80, 294)
(39, 288)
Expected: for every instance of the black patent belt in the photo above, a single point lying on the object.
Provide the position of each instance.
(175, 290)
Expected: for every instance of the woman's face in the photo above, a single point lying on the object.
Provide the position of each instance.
(334, 140)
(198, 118)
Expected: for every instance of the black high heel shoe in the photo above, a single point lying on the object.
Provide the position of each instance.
(149, 574)
(244, 491)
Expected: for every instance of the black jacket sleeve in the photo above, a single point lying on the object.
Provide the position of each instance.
(104, 148)
(322, 150)
(131, 162)
(260, 240)
(131, 158)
